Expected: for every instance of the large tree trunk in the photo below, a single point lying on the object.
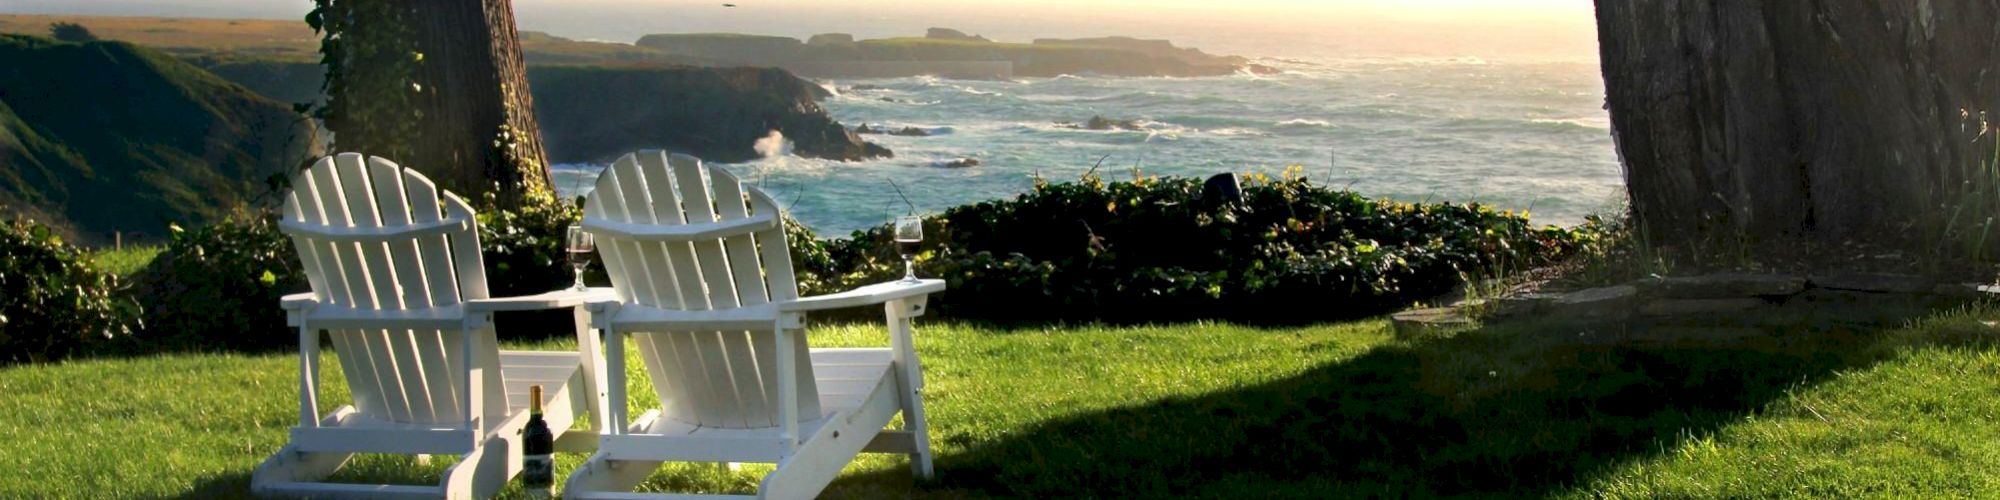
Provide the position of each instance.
(477, 83)
(1822, 121)
(438, 86)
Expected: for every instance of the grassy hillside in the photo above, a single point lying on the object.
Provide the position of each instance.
(293, 41)
(288, 40)
(107, 136)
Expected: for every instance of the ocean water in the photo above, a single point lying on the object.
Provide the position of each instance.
(1515, 135)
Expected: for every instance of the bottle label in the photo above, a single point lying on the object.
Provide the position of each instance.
(538, 471)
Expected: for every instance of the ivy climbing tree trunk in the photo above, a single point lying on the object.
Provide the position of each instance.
(437, 85)
(477, 105)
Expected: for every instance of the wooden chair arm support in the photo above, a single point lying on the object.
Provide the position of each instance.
(559, 299)
(880, 293)
(298, 301)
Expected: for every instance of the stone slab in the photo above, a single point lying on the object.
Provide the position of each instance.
(1730, 286)
(1611, 302)
(1431, 323)
(1693, 307)
(1874, 282)
(1964, 291)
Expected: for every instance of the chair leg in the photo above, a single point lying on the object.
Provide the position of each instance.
(910, 389)
(289, 465)
(920, 434)
(601, 474)
(482, 473)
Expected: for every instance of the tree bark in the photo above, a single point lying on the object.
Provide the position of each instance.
(475, 82)
(436, 85)
(1821, 121)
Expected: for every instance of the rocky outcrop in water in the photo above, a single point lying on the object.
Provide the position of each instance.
(718, 114)
(1825, 121)
(959, 163)
(1101, 123)
(864, 129)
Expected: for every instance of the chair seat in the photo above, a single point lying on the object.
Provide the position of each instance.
(848, 379)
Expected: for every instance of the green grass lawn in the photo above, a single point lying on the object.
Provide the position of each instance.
(1206, 410)
(127, 261)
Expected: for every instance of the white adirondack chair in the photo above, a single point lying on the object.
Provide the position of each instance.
(399, 288)
(705, 287)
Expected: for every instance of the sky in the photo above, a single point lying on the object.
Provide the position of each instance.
(1526, 29)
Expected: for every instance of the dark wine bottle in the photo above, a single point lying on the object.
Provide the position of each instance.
(538, 469)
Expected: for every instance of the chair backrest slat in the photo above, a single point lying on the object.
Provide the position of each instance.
(664, 206)
(695, 355)
(713, 378)
(354, 291)
(389, 369)
(397, 375)
(441, 281)
(740, 365)
(729, 356)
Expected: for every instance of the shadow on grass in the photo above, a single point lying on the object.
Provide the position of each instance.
(230, 484)
(1527, 410)
(361, 469)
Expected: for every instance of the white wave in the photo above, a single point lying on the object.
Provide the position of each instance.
(969, 90)
(1236, 132)
(1305, 122)
(773, 146)
(1596, 122)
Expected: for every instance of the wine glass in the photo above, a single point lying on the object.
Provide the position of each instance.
(909, 233)
(580, 246)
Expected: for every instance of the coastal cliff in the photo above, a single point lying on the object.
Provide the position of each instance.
(99, 137)
(951, 53)
(592, 113)
(1826, 121)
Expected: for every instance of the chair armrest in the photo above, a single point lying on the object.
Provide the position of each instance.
(297, 301)
(559, 299)
(868, 295)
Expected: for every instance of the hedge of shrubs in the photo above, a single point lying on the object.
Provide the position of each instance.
(54, 302)
(1158, 250)
(218, 286)
(1154, 249)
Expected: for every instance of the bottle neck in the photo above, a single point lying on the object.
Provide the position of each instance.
(535, 401)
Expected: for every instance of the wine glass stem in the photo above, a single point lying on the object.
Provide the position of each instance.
(579, 278)
(909, 269)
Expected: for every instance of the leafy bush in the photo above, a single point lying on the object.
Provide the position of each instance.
(54, 301)
(71, 32)
(1147, 250)
(218, 286)
(523, 244)
(1154, 249)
